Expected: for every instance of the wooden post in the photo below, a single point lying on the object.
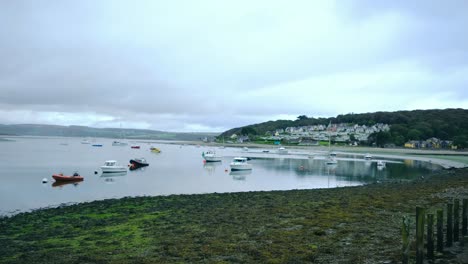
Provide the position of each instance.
(440, 230)
(449, 224)
(405, 239)
(465, 217)
(430, 236)
(420, 213)
(456, 218)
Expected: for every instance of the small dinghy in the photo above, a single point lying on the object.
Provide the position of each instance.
(65, 178)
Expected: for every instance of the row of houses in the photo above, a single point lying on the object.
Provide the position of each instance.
(432, 143)
(340, 128)
(338, 132)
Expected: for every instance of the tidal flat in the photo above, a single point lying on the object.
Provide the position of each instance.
(342, 225)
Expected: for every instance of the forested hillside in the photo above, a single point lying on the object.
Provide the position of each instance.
(446, 124)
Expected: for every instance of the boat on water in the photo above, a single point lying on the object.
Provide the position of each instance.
(85, 141)
(155, 150)
(135, 146)
(368, 156)
(210, 156)
(67, 178)
(240, 163)
(138, 163)
(245, 149)
(119, 143)
(111, 166)
(282, 150)
(97, 145)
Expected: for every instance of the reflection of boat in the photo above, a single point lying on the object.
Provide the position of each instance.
(115, 174)
(380, 164)
(240, 163)
(111, 177)
(331, 160)
(64, 178)
(111, 166)
(282, 150)
(62, 183)
(119, 143)
(240, 174)
(138, 163)
(155, 150)
(210, 156)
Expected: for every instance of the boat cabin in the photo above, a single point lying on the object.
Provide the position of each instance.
(240, 160)
(110, 163)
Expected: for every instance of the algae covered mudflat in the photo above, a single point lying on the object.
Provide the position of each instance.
(342, 225)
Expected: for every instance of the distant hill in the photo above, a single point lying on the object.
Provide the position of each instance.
(445, 124)
(84, 131)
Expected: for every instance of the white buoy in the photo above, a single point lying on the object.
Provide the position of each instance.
(44, 180)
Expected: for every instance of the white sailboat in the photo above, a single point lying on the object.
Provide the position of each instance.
(119, 142)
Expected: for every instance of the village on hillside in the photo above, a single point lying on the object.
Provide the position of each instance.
(344, 133)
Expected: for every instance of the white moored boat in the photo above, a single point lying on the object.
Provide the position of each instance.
(112, 166)
(210, 156)
(119, 143)
(282, 150)
(240, 163)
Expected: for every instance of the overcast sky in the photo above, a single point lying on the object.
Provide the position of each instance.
(214, 65)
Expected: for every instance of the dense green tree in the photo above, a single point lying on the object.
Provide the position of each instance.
(248, 131)
(461, 141)
(382, 138)
(414, 134)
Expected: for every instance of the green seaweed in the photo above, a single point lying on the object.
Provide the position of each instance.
(343, 225)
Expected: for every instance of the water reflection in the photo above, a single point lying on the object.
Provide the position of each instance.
(111, 177)
(210, 167)
(349, 169)
(240, 175)
(63, 183)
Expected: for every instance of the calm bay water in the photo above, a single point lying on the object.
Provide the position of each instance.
(179, 169)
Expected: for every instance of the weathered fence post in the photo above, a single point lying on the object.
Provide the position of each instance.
(430, 236)
(420, 213)
(464, 217)
(405, 239)
(440, 230)
(456, 220)
(449, 224)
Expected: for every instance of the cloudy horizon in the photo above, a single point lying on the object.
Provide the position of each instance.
(199, 66)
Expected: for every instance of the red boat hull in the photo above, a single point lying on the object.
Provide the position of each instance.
(65, 178)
